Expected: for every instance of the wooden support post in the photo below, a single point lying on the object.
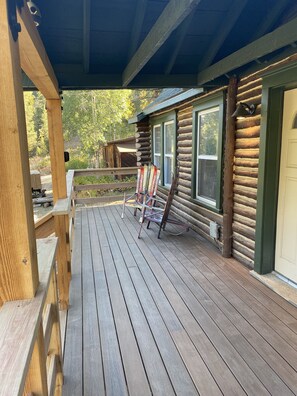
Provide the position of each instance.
(228, 168)
(56, 145)
(37, 377)
(18, 270)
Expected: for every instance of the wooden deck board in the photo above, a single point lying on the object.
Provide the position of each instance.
(170, 316)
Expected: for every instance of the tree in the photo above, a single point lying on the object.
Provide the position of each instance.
(31, 133)
(96, 117)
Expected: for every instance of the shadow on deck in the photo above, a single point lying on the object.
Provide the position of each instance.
(170, 316)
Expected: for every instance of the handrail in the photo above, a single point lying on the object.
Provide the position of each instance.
(103, 186)
(20, 324)
(63, 206)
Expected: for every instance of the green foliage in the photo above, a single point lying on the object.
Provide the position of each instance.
(76, 163)
(90, 119)
(36, 121)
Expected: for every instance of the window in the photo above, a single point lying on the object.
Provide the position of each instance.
(208, 121)
(164, 137)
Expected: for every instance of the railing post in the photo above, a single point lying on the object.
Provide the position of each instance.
(18, 257)
(37, 376)
(56, 145)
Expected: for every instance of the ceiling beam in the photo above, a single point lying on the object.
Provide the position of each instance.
(279, 38)
(86, 34)
(34, 60)
(221, 34)
(137, 25)
(271, 19)
(76, 80)
(172, 16)
(179, 42)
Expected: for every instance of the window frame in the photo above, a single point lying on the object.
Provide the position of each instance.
(162, 121)
(202, 106)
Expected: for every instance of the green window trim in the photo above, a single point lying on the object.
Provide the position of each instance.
(162, 122)
(205, 106)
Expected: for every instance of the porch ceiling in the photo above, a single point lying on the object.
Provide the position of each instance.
(152, 43)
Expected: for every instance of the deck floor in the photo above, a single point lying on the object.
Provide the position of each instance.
(170, 317)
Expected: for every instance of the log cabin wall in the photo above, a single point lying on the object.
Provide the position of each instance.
(143, 142)
(246, 162)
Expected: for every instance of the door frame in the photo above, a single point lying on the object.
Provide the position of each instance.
(274, 85)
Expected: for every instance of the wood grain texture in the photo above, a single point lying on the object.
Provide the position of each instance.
(192, 313)
(20, 327)
(18, 270)
(34, 59)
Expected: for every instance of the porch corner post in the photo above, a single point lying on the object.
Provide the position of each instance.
(19, 276)
(56, 146)
(228, 169)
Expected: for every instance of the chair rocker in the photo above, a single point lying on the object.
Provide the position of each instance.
(146, 188)
(160, 214)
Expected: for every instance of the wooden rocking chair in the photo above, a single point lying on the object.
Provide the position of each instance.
(160, 214)
(146, 188)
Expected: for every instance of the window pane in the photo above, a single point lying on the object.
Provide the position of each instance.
(168, 170)
(157, 161)
(157, 139)
(169, 138)
(207, 178)
(208, 124)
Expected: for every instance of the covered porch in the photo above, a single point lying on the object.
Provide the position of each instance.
(170, 316)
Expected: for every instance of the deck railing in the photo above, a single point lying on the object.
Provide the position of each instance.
(30, 331)
(30, 340)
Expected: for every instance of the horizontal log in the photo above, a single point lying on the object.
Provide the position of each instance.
(185, 136)
(190, 219)
(183, 130)
(191, 213)
(144, 149)
(185, 143)
(184, 175)
(249, 92)
(244, 230)
(244, 210)
(243, 250)
(184, 157)
(247, 153)
(248, 162)
(183, 199)
(248, 82)
(247, 143)
(246, 181)
(141, 134)
(245, 171)
(144, 143)
(185, 190)
(249, 243)
(185, 115)
(245, 201)
(251, 132)
(143, 139)
(238, 219)
(247, 191)
(248, 121)
(185, 123)
(243, 259)
(184, 150)
(185, 164)
(185, 183)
